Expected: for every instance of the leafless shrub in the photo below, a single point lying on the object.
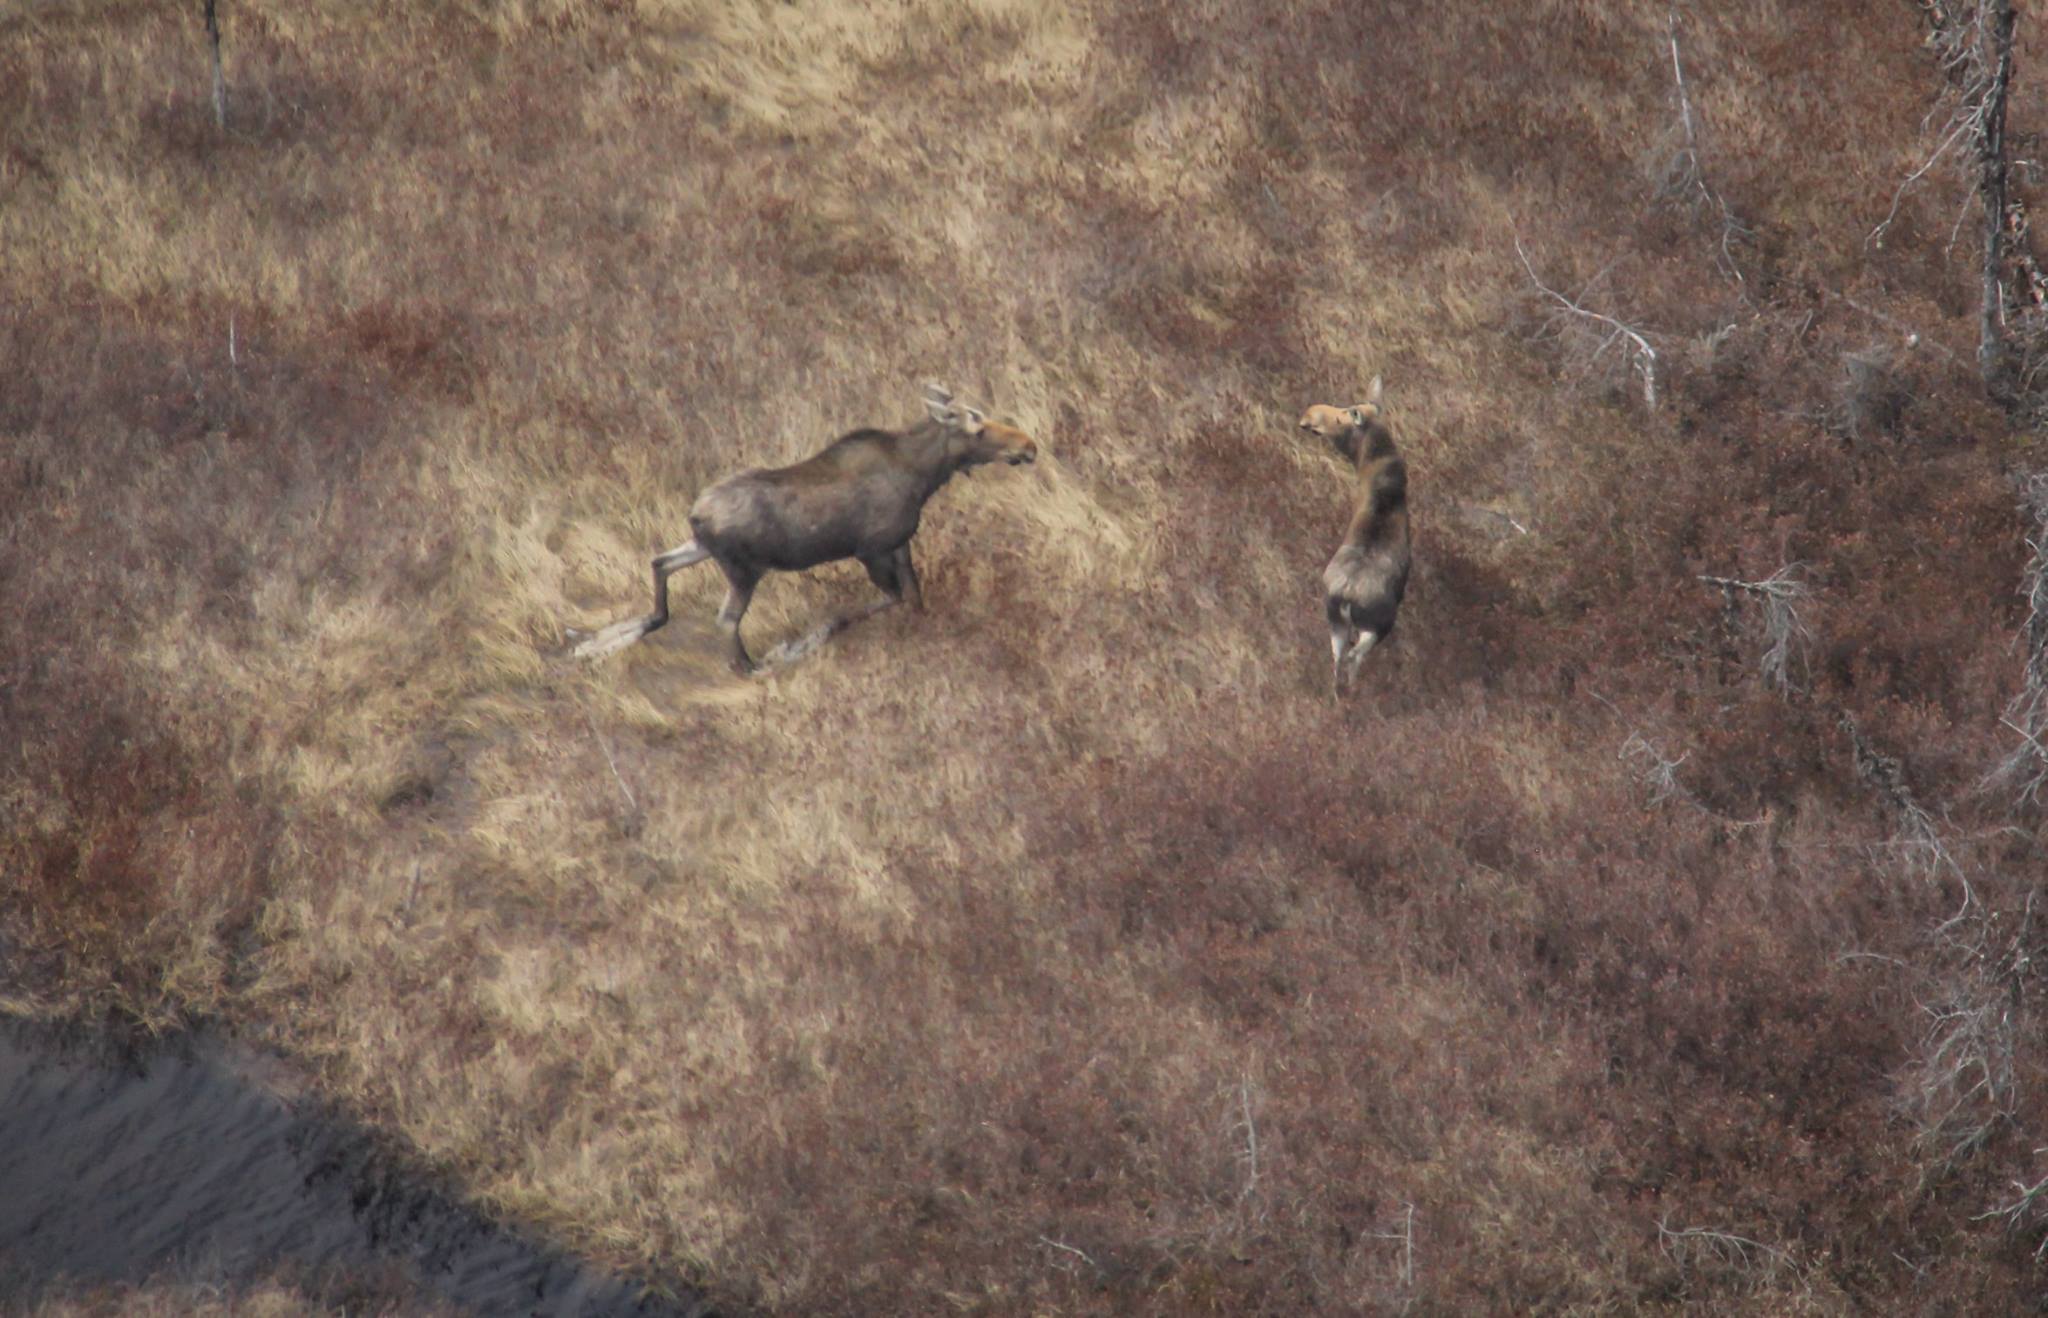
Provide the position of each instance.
(1972, 41)
(1657, 772)
(1912, 338)
(1248, 1126)
(2025, 771)
(1723, 1254)
(1405, 1236)
(1684, 180)
(1592, 341)
(1962, 1086)
(2027, 346)
(1918, 838)
(1964, 39)
(1652, 769)
(1872, 400)
(2022, 1210)
(1787, 635)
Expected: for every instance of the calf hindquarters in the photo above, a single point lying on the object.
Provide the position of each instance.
(1363, 589)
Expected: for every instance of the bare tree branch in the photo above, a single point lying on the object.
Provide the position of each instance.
(1993, 352)
(1781, 594)
(1251, 1139)
(1406, 1235)
(1876, 237)
(1636, 350)
(1701, 1248)
(1973, 44)
(1685, 180)
(2025, 770)
(2022, 1208)
(220, 86)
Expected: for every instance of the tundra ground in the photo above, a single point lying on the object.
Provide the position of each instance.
(1062, 948)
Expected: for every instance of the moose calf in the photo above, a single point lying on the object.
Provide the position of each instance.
(1366, 578)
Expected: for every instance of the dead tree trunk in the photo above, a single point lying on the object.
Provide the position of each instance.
(220, 85)
(1994, 353)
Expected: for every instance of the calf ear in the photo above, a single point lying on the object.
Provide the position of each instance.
(975, 420)
(942, 411)
(1372, 394)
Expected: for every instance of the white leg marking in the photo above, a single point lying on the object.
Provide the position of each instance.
(1365, 644)
(682, 555)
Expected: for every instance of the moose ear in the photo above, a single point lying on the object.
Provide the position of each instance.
(1372, 394)
(942, 410)
(975, 420)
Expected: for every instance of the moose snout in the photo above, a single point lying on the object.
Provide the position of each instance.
(1029, 453)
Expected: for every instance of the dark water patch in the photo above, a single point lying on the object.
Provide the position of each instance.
(117, 1170)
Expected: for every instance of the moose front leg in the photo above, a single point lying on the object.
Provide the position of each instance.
(882, 571)
(906, 577)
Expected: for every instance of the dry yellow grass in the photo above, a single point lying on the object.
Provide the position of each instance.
(620, 944)
(178, 1298)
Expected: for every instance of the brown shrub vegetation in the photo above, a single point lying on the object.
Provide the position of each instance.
(1060, 949)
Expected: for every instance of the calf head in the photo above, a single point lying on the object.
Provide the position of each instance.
(1344, 428)
(977, 439)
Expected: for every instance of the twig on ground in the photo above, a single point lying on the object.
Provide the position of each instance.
(1062, 1245)
(1702, 1247)
(602, 745)
(1406, 1235)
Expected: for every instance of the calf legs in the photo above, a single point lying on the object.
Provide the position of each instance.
(1355, 627)
(1348, 648)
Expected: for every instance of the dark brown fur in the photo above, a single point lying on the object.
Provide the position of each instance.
(860, 497)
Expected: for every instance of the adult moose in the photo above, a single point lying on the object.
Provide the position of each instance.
(1366, 578)
(859, 497)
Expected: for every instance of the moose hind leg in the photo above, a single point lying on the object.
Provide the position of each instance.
(1340, 639)
(1366, 640)
(739, 593)
(681, 556)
